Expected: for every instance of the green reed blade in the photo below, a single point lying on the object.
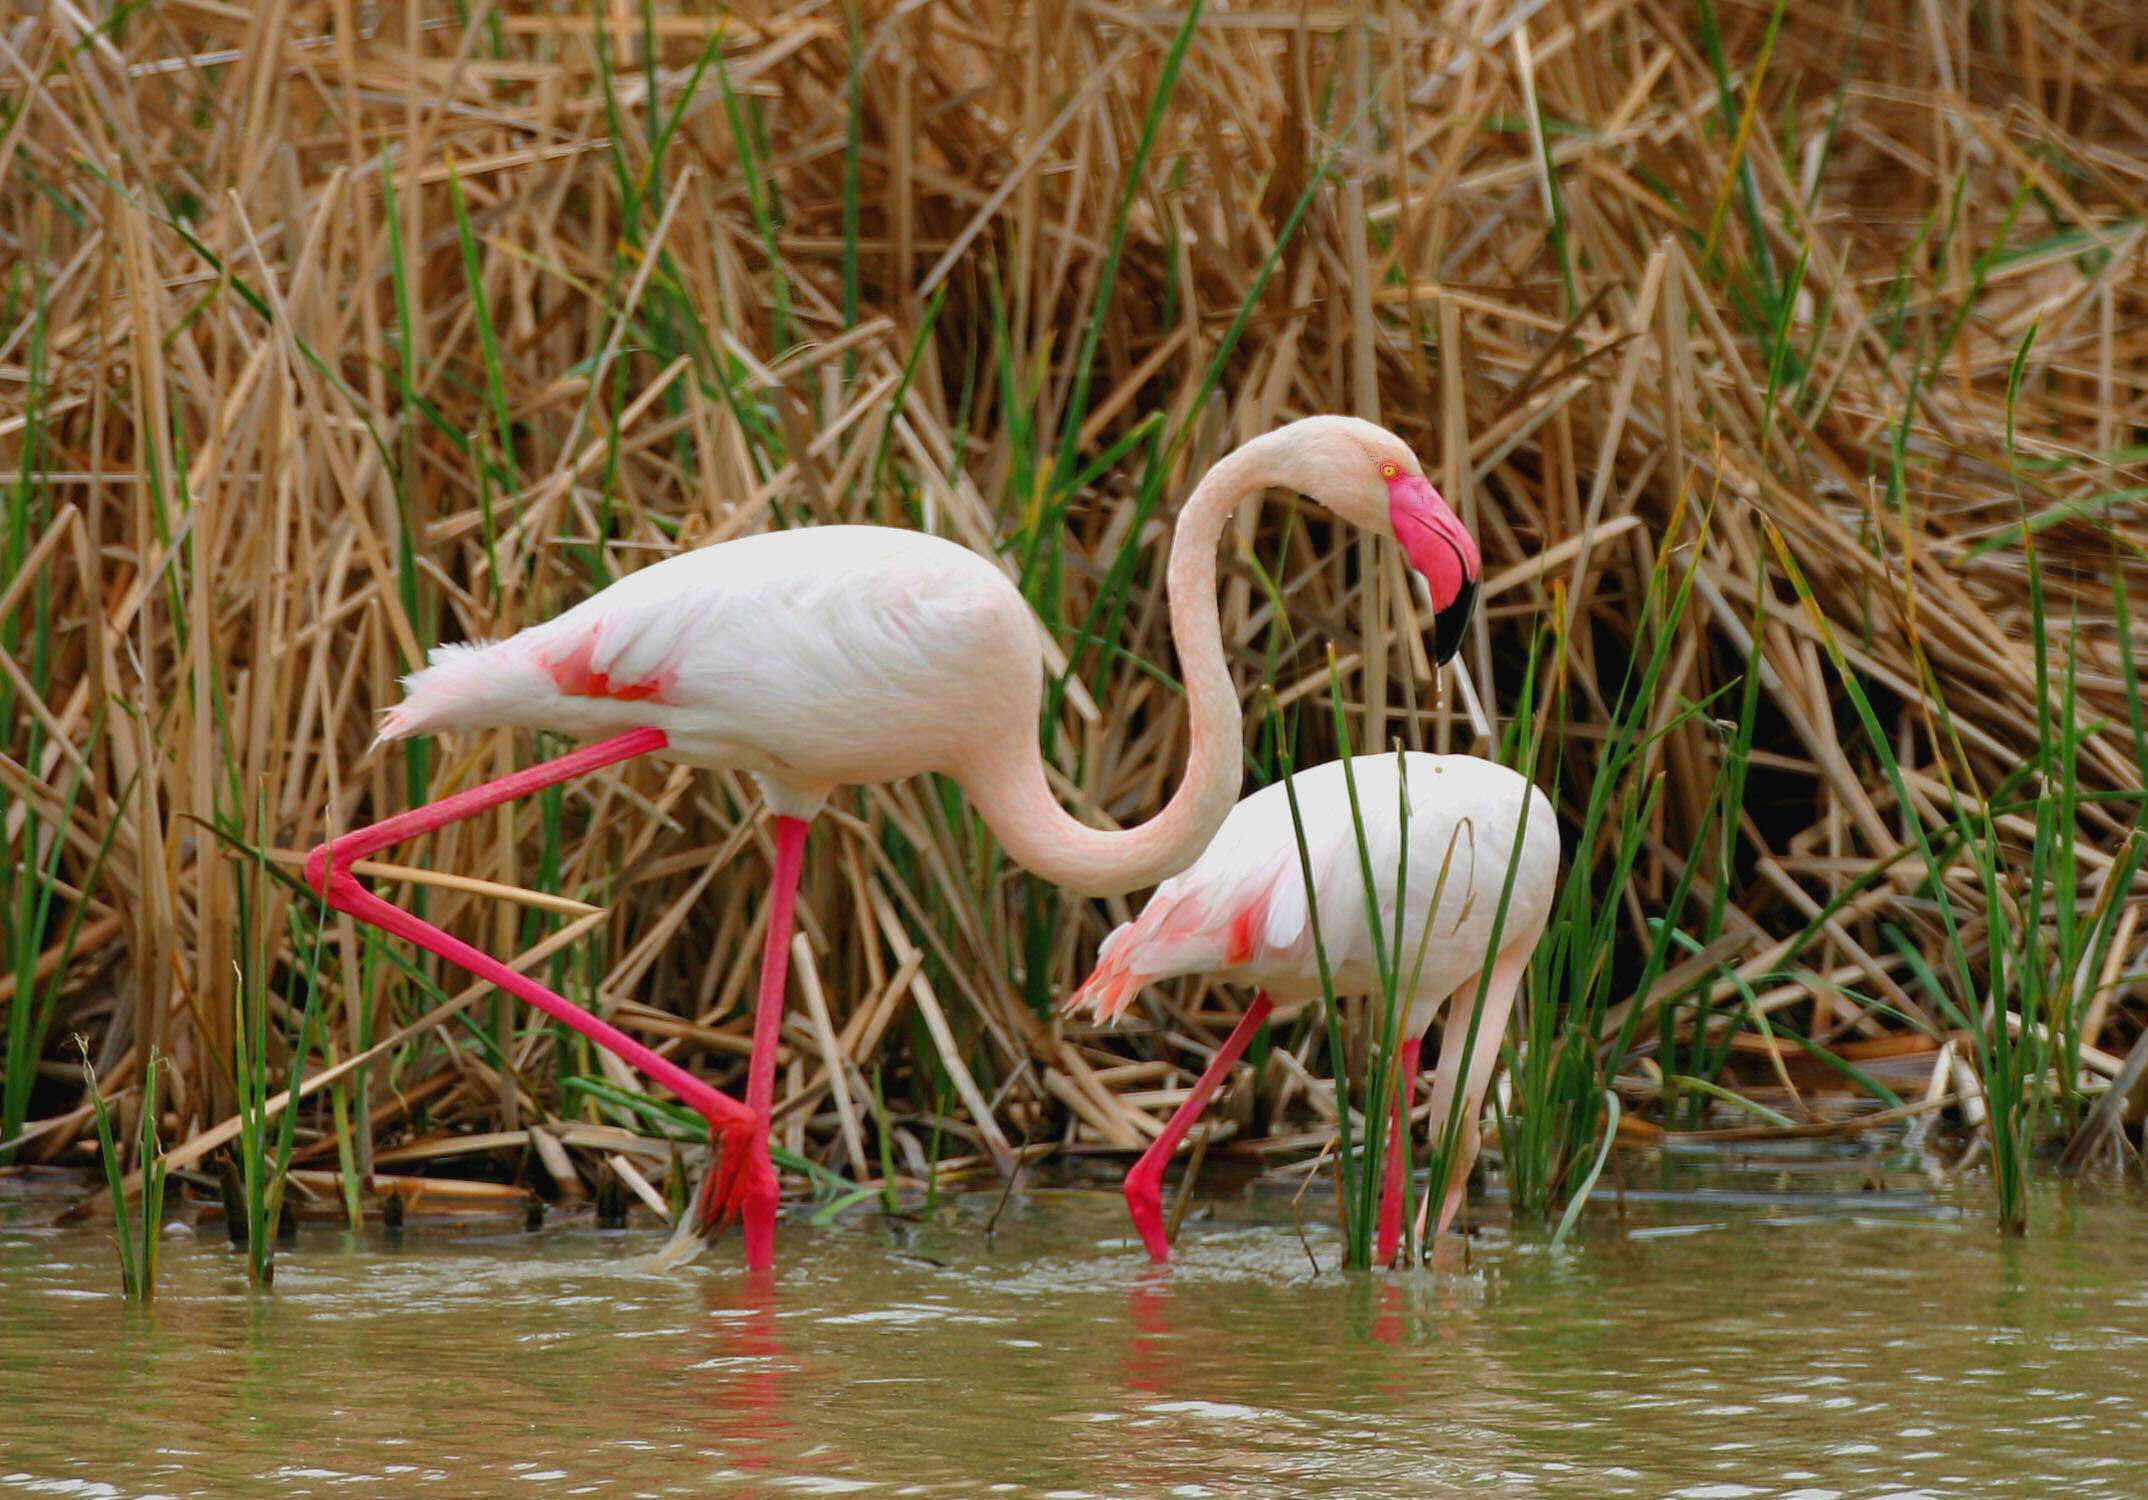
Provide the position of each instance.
(115, 1177)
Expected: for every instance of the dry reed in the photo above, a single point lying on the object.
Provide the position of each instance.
(329, 330)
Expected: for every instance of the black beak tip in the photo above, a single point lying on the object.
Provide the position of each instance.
(1449, 624)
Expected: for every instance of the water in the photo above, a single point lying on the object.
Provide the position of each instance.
(1782, 1334)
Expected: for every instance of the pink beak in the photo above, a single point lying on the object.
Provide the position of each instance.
(1440, 548)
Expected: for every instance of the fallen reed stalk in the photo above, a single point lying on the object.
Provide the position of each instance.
(1788, 366)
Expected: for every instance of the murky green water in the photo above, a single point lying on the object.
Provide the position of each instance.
(1714, 1343)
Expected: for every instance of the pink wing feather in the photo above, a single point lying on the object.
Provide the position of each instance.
(1207, 919)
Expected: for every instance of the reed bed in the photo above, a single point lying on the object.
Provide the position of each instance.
(1789, 363)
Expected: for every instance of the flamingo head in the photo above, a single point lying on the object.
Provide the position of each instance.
(1440, 548)
(1370, 478)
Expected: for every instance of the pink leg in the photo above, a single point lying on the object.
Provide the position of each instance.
(758, 1194)
(328, 872)
(1398, 1153)
(1144, 1184)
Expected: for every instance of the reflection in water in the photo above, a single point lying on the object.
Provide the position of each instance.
(1717, 1344)
(747, 1405)
(1387, 1328)
(1148, 1308)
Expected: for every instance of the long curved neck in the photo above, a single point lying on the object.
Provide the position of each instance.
(1017, 802)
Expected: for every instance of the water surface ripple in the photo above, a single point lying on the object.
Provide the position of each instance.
(1813, 1346)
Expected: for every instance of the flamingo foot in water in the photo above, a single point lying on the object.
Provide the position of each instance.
(741, 1186)
(1144, 1203)
(1144, 1184)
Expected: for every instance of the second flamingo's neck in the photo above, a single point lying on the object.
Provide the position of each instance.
(1017, 801)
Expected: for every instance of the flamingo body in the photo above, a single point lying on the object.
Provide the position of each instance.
(819, 657)
(1240, 912)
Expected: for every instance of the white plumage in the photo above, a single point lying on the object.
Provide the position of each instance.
(825, 656)
(1239, 910)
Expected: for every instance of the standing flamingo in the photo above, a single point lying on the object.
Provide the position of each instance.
(1239, 911)
(839, 655)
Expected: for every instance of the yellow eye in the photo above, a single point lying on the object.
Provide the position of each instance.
(1389, 471)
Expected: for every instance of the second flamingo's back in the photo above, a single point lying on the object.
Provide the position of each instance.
(1240, 910)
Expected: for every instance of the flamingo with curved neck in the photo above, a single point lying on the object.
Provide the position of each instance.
(847, 655)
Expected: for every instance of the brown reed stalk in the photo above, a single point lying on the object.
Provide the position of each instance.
(1881, 303)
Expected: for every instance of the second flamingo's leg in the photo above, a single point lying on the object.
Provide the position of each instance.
(1144, 1184)
(1398, 1153)
(757, 1196)
(1453, 1078)
(328, 871)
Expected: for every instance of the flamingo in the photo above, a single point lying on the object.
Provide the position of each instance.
(1239, 912)
(841, 655)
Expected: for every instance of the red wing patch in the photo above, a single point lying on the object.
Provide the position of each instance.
(1245, 930)
(575, 679)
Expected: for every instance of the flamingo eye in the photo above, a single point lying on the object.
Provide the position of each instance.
(1389, 470)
